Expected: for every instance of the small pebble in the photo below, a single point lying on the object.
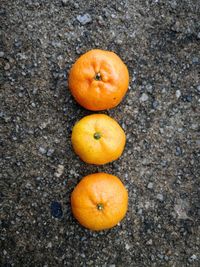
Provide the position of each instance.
(180, 130)
(7, 118)
(149, 88)
(50, 152)
(118, 41)
(166, 258)
(56, 209)
(42, 150)
(198, 88)
(59, 171)
(195, 60)
(150, 185)
(1, 54)
(76, 5)
(160, 197)
(20, 94)
(64, 2)
(56, 44)
(160, 256)
(149, 242)
(192, 258)
(28, 185)
(178, 151)
(49, 245)
(14, 138)
(152, 257)
(17, 43)
(173, 4)
(187, 98)
(84, 19)
(155, 104)
(144, 97)
(178, 94)
(161, 130)
(43, 125)
(35, 90)
(7, 66)
(163, 163)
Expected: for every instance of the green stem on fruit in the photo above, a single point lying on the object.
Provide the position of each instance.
(97, 77)
(97, 136)
(100, 206)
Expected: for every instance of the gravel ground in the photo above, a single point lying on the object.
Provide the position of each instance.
(160, 43)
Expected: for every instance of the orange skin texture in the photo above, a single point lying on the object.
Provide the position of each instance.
(107, 148)
(104, 189)
(100, 94)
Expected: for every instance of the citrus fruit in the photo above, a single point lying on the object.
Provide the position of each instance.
(99, 201)
(98, 80)
(98, 139)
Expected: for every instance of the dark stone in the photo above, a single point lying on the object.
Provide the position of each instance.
(56, 209)
(155, 104)
(187, 98)
(178, 151)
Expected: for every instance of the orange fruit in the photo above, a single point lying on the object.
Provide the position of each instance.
(98, 80)
(98, 139)
(99, 201)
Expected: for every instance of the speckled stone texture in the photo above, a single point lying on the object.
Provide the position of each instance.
(159, 40)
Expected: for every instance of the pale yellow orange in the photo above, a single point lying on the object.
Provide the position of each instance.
(98, 139)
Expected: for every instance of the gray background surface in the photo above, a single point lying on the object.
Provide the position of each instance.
(160, 43)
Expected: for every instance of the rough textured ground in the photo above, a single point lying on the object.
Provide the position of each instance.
(160, 43)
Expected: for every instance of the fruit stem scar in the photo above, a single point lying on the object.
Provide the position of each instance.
(100, 206)
(97, 136)
(97, 76)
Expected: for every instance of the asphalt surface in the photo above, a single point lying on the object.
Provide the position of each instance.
(160, 43)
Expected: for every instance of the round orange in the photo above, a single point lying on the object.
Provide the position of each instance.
(98, 80)
(99, 201)
(98, 139)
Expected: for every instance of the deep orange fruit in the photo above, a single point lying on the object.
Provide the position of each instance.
(98, 80)
(99, 201)
(98, 139)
